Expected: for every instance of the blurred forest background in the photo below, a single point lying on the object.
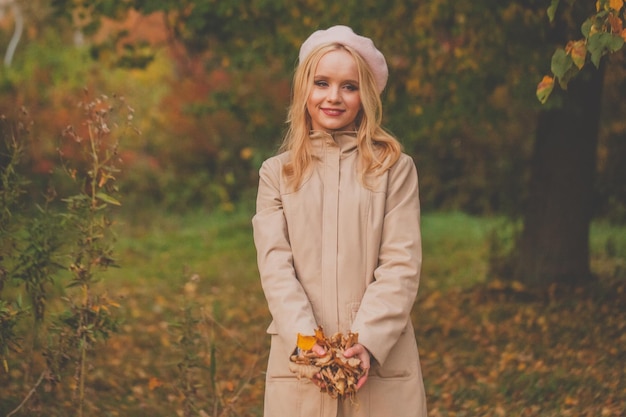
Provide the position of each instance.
(211, 83)
(520, 185)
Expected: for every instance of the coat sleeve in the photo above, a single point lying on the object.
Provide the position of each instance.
(385, 309)
(287, 301)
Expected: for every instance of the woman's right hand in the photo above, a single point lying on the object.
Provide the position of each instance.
(319, 351)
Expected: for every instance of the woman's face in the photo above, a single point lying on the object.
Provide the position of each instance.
(335, 100)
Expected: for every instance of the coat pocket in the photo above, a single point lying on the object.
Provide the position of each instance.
(278, 361)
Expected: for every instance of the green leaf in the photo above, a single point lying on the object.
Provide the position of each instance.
(600, 44)
(552, 9)
(568, 76)
(107, 199)
(617, 42)
(561, 63)
(585, 28)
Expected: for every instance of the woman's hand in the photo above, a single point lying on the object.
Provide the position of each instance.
(363, 354)
(319, 351)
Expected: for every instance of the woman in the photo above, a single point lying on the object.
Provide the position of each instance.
(338, 237)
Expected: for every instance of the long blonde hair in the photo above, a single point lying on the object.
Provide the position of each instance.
(378, 150)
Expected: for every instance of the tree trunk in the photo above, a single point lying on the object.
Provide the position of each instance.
(554, 246)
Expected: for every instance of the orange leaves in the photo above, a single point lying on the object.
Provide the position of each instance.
(154, 383)
(104, 304)
(339, 375)
(615, 5)
(578, 51)
(603, 33)
(307, 342)
(506, 349)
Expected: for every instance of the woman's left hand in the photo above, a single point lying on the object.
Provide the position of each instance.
(363, 354)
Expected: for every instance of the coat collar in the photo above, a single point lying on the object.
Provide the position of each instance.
(346, 141)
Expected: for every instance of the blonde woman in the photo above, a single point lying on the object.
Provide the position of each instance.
(338, 236)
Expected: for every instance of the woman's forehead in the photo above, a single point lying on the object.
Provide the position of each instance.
(338, 62)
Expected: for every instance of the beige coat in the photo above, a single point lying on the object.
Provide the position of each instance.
(336, 254)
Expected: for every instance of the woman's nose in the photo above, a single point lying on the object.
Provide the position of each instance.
(333, 94)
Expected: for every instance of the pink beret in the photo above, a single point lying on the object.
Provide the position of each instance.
(345, 36)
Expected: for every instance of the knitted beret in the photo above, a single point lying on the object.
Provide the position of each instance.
(345, 36)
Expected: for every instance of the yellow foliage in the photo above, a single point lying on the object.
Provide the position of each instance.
(413, 85)
(578, 51)
(306, 342)
(246, 153)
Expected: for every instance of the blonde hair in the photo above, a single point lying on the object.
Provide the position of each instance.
(378, 150)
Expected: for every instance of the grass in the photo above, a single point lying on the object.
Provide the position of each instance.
(455, 249)
(486, 350)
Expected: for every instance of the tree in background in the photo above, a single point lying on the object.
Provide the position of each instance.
(554, 245)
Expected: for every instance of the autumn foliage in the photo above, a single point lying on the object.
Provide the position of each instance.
(603, 33)
(338, 375)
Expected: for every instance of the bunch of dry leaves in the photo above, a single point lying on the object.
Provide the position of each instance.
(339, 375)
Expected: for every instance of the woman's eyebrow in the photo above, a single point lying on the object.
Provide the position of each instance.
(326, 77)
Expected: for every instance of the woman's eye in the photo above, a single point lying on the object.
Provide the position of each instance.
(351, 87)
(321, 83)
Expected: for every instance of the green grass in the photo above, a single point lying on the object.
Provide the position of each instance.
(455, 249)
(167, 250)
(608, 249)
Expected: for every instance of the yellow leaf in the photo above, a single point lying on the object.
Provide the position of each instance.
(616, 4)
(306, 342)
(578, 51)
(544, 88)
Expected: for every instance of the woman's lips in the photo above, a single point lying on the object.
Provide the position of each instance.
(332, 112)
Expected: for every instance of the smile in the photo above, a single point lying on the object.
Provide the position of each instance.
(332, 112)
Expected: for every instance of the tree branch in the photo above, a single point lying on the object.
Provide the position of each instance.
(30, 394)
(17, 33)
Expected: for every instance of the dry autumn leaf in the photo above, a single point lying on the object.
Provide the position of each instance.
(306, 342)
(154, 383)
(339, 375)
